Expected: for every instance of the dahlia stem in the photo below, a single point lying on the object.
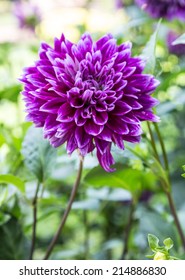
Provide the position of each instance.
(128, 230)
(66, 213)
(162, 147)
(166, 185)
(153, 142)
(176, 219)
(34, 204)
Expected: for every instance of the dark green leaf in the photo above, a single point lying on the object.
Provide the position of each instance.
(39, 155)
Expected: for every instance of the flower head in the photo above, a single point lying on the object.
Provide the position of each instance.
(179, 49)
(89, 95)
(28, 15)
(169, 9)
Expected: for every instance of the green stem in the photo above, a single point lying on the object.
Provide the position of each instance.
(66, 213)
(153, 142)
(166, 185)
(128, 230)
(176, 219)
(34, 204)
(162, 147)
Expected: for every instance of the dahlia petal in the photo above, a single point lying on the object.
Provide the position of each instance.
(57, 142)
(100, 118)
(101, 145)
(92, 128)
(106, 160)
(109, 48)
(140, 81)
(101, 106)
(118, 125)
(147, 101)
(135, 130)
(147, 116)
(51, 106)
(121, 108)
(131, 118)
(36, 79)
(118, 140)
(46, 71)
(128, 71)
(65, 113)
(106, 134)
(71, 144)
(132, 139)
(137, 62)
(135, 105)
(79, 120)
(81, 137)
(102, 41)
(124, 46)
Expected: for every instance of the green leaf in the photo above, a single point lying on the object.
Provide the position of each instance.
(39, 155)
(148, 52)
(179, 40)
(130, 179)
(12, 241)
(168, 242)
(153, 242)
(11, 179)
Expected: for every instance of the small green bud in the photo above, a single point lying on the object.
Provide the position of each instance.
(160, 256)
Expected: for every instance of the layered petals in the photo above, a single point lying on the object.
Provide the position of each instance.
(89, 95)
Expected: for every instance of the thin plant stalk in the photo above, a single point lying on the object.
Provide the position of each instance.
(128, 230)
(66, 213)
(166, 185)
(34, 204)
(153, 142)
(162, 147)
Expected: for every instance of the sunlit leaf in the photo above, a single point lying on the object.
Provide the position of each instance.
(153, 242)
(11, 179)
(148, 53)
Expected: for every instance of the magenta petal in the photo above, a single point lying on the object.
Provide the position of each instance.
(71, 144)
(106, 134)
(118, 140)
(65, 113)
(106, 160)
(147, 116)
(79, 120)
(100, 118)
(101, 145)
(82, 137)
(121, 108)
(118, 125)
(92, 128)
(52, 106)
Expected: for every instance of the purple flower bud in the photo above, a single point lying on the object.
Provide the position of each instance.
(89, 95)
(169, 9)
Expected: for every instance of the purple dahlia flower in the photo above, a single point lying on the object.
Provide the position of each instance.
(90, 95)
(28, 15)
(179, 49)
(169, 9)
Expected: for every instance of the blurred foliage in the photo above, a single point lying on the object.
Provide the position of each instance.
(100, 214)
